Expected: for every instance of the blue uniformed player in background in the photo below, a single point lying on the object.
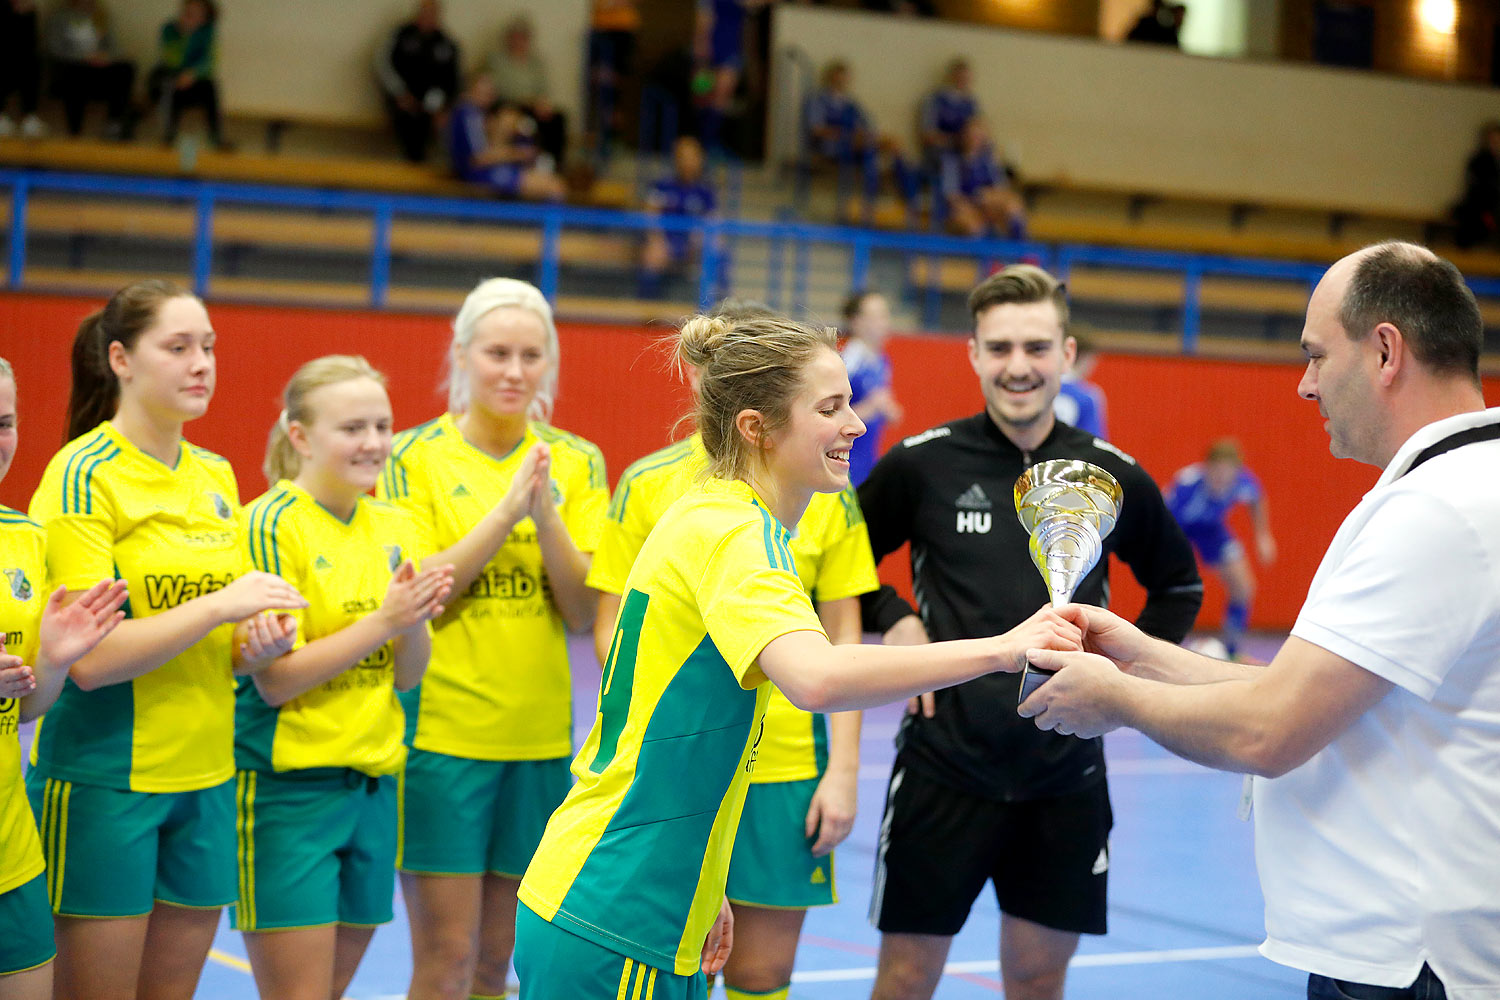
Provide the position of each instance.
(1201, 497)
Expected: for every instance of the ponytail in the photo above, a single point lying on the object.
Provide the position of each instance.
(282, 460)
(95, 392)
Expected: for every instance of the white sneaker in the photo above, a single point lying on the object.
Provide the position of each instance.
(32, 127)
(7, 127)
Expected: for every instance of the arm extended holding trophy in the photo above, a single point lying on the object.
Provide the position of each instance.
(820, 677)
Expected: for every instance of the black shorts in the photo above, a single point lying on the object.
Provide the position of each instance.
(1048, 858)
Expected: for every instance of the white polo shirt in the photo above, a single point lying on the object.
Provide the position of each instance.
(1383, 851)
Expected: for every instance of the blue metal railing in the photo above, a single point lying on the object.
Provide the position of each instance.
(718, 238)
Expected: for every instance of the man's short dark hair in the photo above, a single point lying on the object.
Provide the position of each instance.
(1019, 284)
(1423, 296)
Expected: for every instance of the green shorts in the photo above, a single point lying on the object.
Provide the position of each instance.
(472, 817)
(117, 853)
(25, 927)
(773, 863)
(316, 847)
(554, 964)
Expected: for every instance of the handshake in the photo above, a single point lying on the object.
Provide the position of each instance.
(1077, 664)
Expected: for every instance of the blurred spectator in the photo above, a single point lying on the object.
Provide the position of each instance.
(493, 147)
(86, 67)
(1079, 402)
(946, 111)
(976, 189)
(520, 75)
(20, 67)
(667, 99)
(838, 131)
(1477, 216)
(612, 31)
(682, 195)
(1160, 24)
(719, 46)
(867, 321)
(184, 73)
(906, 174)
(418, 70)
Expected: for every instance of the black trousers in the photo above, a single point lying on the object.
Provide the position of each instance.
(20, 64)
(413, 131)
(78, 83)
(172, 101)
(1427, 986)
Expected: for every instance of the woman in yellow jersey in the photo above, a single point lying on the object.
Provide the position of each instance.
(40, 638)
(132, 770)
(515, 505)
(802, 796)
(318, 731)
(625, 895)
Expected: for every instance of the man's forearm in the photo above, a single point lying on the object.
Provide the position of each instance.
(1212, 724)
(1168, 663)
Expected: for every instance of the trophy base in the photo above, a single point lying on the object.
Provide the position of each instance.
(1031, 679)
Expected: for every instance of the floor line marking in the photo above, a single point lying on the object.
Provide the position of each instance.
(233, 961)
(1106, 960)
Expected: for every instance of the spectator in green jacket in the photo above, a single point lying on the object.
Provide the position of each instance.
(184, 73)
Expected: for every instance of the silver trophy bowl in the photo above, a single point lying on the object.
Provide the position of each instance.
(1068, 507)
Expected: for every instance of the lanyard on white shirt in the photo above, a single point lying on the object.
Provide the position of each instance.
(1473, 435)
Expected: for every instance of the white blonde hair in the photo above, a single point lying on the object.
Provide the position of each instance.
(487, 296)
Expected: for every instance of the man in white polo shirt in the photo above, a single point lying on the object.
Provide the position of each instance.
(1375, 731)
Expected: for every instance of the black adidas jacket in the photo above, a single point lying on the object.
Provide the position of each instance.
(949, 491)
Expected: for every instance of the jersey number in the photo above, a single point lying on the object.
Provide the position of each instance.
(619, 679)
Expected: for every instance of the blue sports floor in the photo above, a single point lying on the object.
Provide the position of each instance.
(1185, 908)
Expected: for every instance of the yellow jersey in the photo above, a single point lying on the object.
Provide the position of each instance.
(23, 594)
(342, 567)
(172, 533)
(830, 546)
(498, 686)
(663, 774)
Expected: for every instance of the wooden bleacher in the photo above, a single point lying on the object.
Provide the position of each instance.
(1163, 290)
(1064, 211)
(59, 215)
(356, 295)
(390, 176)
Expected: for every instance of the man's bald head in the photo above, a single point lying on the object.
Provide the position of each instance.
(1420, 294)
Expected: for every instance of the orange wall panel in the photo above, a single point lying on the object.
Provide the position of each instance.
(617, 390)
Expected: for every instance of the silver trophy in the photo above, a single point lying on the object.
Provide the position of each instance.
(1068, 507)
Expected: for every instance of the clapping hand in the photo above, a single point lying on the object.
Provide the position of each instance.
(414, 597)
(69, 630)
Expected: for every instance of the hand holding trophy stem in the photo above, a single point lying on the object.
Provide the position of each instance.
(1068, 507)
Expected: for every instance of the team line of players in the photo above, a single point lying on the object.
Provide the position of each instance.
(321, 688)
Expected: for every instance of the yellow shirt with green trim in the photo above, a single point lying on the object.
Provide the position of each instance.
(172, 533)
(635, 859)
(498, 686)
(343, 568)
(832, 551)
(23, 594)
